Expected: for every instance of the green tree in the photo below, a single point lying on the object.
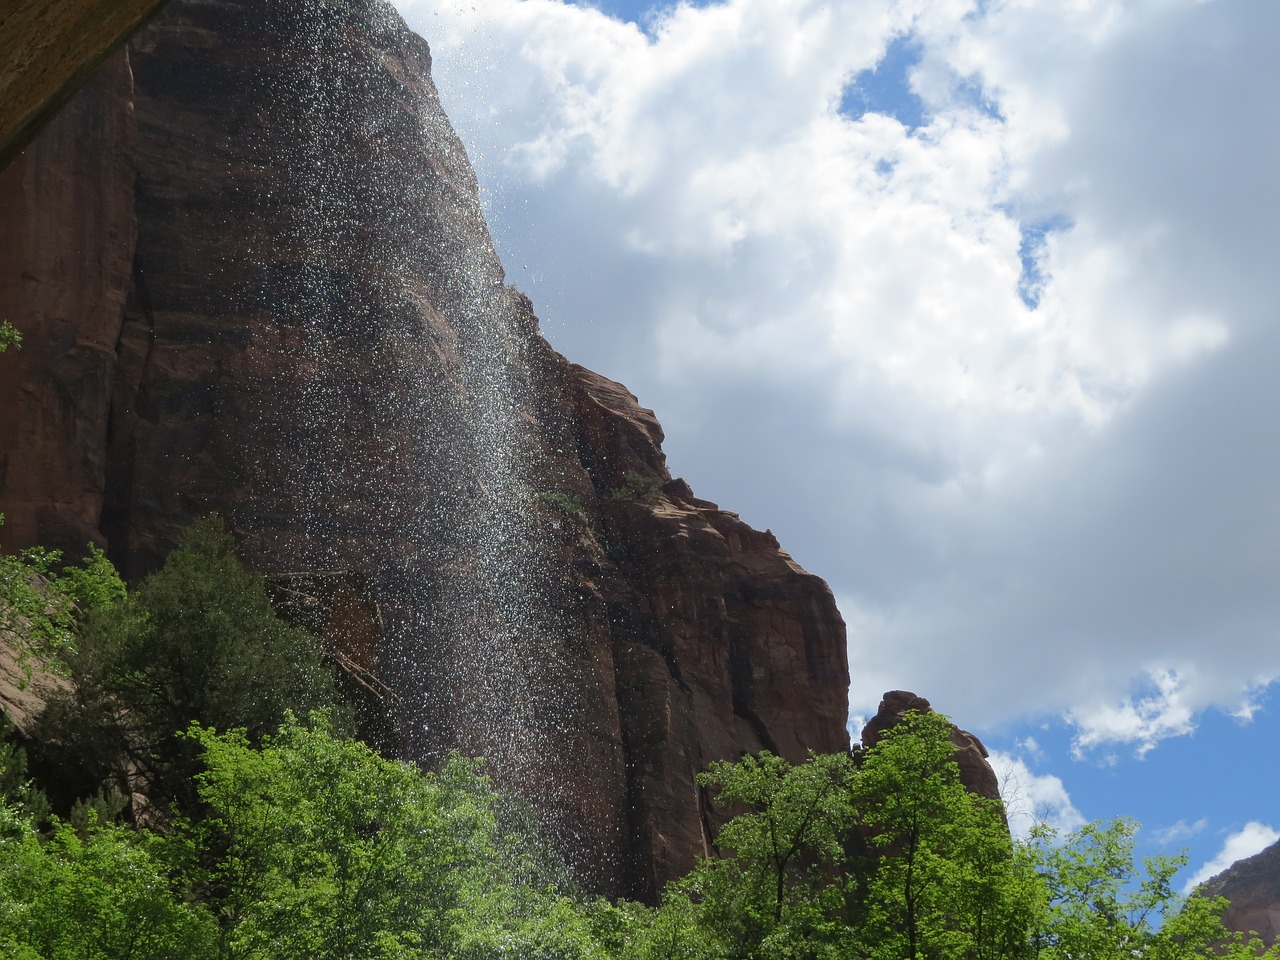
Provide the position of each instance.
(42, 603)
(198, 641)
(1103, 905)
(776, 891)
(322, 849)
(97, 893)
(946, 880)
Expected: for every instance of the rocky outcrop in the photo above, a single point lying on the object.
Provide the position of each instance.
(264, 287)
(26, 683)
(722, 644)
(1252, 886)
(976, 772)
(341, 609)
(48, 49)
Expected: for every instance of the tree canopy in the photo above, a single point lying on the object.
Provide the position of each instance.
(264, 836)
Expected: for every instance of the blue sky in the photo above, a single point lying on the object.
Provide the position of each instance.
(972, 304)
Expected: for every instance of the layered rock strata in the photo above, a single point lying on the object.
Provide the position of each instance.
(253, 277)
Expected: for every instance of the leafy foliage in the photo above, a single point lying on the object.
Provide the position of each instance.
(100, 893)
(565, 503)
(323, 849)
(1100, 904)
(15, 788)
(327, 850)
(637, 486)
(198, 641)
(42, 601)
(780, 887)
(294, 842)
(889, 857)
(947, 881)
(9, 336)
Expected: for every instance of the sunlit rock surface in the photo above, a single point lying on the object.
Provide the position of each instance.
(253, 276)
(1253, 887)
(976, 772)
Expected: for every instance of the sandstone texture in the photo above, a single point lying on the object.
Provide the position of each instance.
(253, 278)
(48, 49)
(66, 259)
(1253, 887)
(976, 772)
(26, 685)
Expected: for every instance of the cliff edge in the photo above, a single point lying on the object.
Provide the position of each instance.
(253, 277)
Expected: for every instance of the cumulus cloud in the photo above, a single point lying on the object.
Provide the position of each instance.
(1033, 799)
(1001, 373)
(1253, 837)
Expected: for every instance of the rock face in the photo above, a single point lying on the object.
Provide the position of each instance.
(66, 246)
(253, 277)
(971, 756)
(48, 48)
(1253, 887)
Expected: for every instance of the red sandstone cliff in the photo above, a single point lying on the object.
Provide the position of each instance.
(1253, 887)
(976, 772)
(48, 49)
(253, 276)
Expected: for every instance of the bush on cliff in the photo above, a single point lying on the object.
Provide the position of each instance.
(42, 603)
(198, 641)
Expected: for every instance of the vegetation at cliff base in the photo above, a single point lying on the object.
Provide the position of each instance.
(197, 641)
(224, 813)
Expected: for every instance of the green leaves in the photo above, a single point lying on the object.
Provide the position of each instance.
(322, 848)
(9, 336)
(292, 842)
(42, 602)
(319, 848)
(198, 641)
(786, 848)
(1101, 904)
(98, 894)
(946, 881)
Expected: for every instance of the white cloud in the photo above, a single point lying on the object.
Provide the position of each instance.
(1031, 799)
(1072, 507)
(1177, 832)
(1143, 720)
(1253, 837)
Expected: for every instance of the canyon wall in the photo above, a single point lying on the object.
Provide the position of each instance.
(253, 278)
(48, 49)
(1253, 887)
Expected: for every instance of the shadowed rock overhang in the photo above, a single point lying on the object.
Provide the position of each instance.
(48, 49)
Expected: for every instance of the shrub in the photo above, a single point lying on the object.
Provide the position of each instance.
(41, 602)
(637, 486)
(198, 641)
(9, 336)
(565, 503)
(97, 893)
